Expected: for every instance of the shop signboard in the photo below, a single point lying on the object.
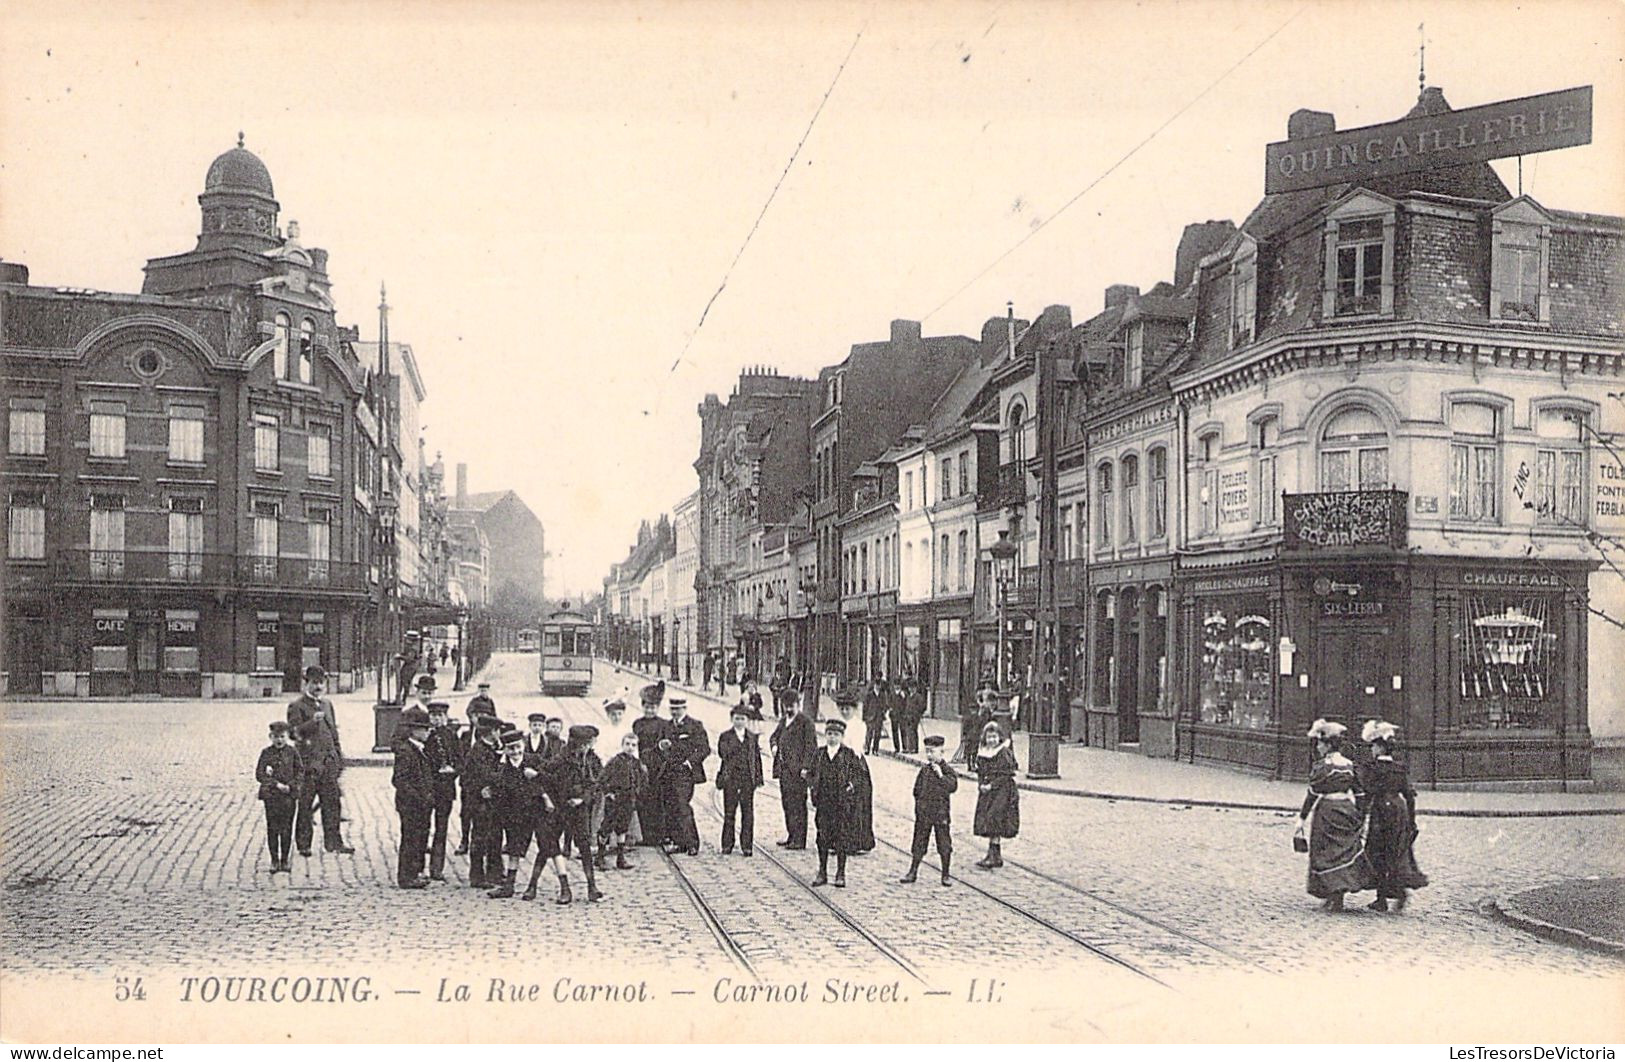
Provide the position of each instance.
(1610, 500)
(1452, 138)
(1345, 519)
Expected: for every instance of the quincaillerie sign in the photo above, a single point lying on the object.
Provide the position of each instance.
(1454, 138)
(1337, 519)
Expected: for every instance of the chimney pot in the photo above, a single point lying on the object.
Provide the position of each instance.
(1306, 123)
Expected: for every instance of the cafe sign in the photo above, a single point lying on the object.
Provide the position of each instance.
(1341, 519)
(1454, 138)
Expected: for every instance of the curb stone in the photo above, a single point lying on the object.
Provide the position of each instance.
(1503, 909)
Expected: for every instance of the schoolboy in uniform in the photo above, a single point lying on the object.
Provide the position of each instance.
(414, 782)
(445, 761)
(514, 794)
(933, 788)
(479, 776)
(278, 772)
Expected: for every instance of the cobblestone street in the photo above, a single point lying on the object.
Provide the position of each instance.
(132, 843)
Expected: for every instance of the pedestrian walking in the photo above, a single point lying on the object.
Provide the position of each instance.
(832, 781)
(414, 780)
(1331, 817)
(479, 778)
(653, 735)
(513, 791)
(687, 747)
(934, 785)
(794, 743)
(998, 802)
(623, 782)
(445, 655)
(1388, 801)
(739, 775)
(311, 720)
(705, 679)
(445, 762)
(546, 824)
(279, 773)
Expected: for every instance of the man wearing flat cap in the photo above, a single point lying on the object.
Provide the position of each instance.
(317, 735)
(739, 775)
(481, 703)
(446, 762)
(686, 750)
(414, 781)
(833, 782)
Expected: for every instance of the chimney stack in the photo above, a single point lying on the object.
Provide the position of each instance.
(462, 485)
(1306, 123)
(905, 331)
(1118, 294)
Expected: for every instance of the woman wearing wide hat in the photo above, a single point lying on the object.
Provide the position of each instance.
(1332, 820)
(1389, 802)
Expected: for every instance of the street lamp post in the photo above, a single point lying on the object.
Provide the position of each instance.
(1003, 553)
(385, 712)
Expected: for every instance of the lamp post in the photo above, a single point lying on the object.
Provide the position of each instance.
(462, 650)
(385, 713)
(1003, 553)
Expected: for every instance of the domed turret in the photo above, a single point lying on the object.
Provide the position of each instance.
(239, 206)
(238, 170)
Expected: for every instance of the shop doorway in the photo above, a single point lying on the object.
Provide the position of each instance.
(25, 655)
(1128, 668)
(1353, 674)
(144, 678)
(290, 654)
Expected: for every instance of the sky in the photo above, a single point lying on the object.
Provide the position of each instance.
(554, 191)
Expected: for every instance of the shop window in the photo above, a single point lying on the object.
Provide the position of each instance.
(110, 648)
(1508, 664)
(26, 540)
(307, 350)
(319, 453)
(1103, 479)
(107, 430)
(1105, 676)
(267, 631)
(1354, 452)
(908, 652)
(1520, 242)
(1243, 294)
(315, 633)
(279, 346)
(1560, 488)
(186, 539)
(267, 437)
(186, 435)
(27, 427)
(180, 640)
(106, 535)
(1131, 499)
(1237, 662)
(1360, 259)
(949, 658)
(1475, 462)
(1158, 459)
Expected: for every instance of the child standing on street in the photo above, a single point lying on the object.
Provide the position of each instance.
(278, 772)
(623, 782)
(933, 787)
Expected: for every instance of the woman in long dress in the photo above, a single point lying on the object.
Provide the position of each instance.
(1388, 801)
(1332, 819)
(863, 798)
(998, 802)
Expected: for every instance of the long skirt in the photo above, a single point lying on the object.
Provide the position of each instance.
(1337, 859)
(998, 810)
(1389, 844)
(863, 810)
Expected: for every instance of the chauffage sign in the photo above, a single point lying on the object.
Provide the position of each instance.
(1455, 138)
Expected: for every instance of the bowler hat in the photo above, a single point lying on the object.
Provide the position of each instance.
(425, 683)
(314, 673)
(414, 717)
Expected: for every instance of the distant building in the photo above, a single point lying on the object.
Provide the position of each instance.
(517, 541)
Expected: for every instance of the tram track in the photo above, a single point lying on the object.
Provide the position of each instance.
(713, 922)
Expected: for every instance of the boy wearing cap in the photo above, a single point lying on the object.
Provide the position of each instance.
(572, 781)
(278, 772)
(622, 783)
(445, 762)
(414, 782)
(536, 736)
(311, 720)
(739, 775)
(513, 792)
(833, 783)
(933, 787)
(479, 775)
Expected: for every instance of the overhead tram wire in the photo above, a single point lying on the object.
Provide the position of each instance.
(1114, 166)
(770, 197)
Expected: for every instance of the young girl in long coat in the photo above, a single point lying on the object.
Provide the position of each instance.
(1337, 859)
(998, 802)
(1388, 801)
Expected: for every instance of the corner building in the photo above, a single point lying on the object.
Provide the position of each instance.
(1395, 476)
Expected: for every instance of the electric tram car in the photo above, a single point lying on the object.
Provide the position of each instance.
(566, 656)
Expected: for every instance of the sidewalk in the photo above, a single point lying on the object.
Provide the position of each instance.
(1099, 774)
(1585, 913)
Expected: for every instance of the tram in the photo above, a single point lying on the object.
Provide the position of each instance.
(566, 656)
(526, 639)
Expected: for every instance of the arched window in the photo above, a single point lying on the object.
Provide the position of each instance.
(1104, 476)
(1017, 443)
(1131, 499)
(279, 352)
(1354, 452)
(307, 350)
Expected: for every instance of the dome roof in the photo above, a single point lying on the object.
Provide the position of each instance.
(238, 169)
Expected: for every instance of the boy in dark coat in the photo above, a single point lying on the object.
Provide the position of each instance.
(278, 772)
(622, 783)
(513, 792)
(485, 830)
(446, 761)
(833, 782)
(414, 782)
(933, 787)
(739, 775)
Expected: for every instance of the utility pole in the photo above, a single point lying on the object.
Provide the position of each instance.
(1043, 743)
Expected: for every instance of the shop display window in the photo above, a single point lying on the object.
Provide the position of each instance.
(1238, 659)
(1507, 672)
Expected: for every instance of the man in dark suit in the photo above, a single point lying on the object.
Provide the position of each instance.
(686, 750)
(414, 782)
(739, 775)
(312, 722)
(446, 761)
(793, 744)
(468, 742)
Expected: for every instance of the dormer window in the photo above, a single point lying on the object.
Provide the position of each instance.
(1134, 369)
(1243, 294)
(1360, 258)
(1520, 236)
